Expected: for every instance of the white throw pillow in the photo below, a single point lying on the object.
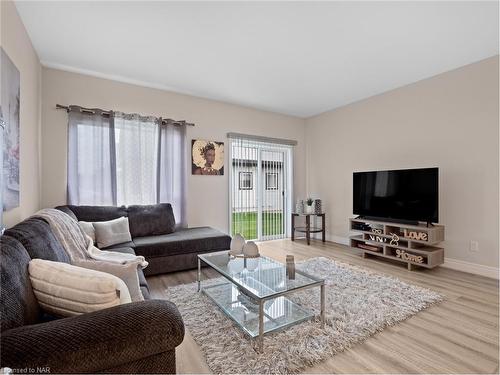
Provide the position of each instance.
(112, 232)
(88, 228)
(67, 290)
(127, 272)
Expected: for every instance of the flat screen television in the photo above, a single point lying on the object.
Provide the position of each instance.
(404, 194)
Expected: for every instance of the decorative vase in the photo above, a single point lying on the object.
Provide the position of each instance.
(251, 250)
(299, 207)
(237, 244)
(290, 267)
(318, 209)
(309, 209)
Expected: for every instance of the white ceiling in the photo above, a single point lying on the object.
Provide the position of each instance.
(297, 58)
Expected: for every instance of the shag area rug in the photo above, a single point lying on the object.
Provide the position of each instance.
(359, 303)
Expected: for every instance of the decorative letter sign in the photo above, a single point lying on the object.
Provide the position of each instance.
(394, 239)
(419, 236)
(410, 257)
(377, 238)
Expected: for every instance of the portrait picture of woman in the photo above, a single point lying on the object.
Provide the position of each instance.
(207, 157)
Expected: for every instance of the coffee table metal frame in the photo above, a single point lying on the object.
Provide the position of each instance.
(261, 300)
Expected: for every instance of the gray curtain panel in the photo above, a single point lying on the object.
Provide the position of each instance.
(126, 159)
(91, 158)
(172, 170)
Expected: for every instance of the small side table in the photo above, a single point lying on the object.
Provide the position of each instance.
(308, 229)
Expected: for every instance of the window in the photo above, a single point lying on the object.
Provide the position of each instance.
(271, 181)
(123, 159)
(246, 181)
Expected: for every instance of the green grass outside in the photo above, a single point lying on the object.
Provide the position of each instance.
(245, 223)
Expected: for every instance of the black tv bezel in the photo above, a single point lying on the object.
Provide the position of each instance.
(397, 219)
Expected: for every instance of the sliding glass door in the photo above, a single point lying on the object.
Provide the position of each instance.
(260, 189)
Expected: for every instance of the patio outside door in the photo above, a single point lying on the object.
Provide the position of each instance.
(260, 189)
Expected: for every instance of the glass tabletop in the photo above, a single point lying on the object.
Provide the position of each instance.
(260, 277)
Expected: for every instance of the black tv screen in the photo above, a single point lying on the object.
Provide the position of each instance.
(404, 194)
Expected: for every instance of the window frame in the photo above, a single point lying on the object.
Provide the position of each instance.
(276, 187)
(240, 185)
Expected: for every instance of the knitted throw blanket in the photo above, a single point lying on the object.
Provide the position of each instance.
(78, 245)
(67, 231)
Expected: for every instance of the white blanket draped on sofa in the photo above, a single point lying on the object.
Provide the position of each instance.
(78, 245)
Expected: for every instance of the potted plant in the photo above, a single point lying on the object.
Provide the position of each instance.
(309, 206)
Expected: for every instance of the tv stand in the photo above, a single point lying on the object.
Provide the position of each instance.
(412, 244)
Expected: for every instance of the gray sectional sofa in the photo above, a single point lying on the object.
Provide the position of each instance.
(155, 236)
(138, 337)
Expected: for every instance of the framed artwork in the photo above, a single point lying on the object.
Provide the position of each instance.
(245, 181)
(207, 157)
(9, 115)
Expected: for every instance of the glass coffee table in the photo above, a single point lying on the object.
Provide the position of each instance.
(254, 292)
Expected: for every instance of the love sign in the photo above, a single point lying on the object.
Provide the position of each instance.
(414, 235)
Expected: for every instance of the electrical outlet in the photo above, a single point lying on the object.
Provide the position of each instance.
(474, 246)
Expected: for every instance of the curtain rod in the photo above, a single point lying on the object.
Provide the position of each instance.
(107, 113)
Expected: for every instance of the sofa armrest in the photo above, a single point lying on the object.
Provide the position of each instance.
(95, 341)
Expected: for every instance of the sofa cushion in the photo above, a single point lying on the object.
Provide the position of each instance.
(182, 241)
(18, 305)
(89, 229)
(38, 240)
(151, 220)
(145, 292)
(142, 279)
(67, 211)
(66, 290)
(126, 272)
(112, 232)
(97, 213)
(129, 244)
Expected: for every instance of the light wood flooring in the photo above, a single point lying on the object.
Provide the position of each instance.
(459, 335)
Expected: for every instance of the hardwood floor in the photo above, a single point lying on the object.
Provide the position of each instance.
(460, 335)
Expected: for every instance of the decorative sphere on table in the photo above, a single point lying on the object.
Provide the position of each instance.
(237, 244)
(251, 250)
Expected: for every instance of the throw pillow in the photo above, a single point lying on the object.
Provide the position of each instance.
(65, 290)
(112, 232)
(126, 272)
(88, 228)
(151, 220)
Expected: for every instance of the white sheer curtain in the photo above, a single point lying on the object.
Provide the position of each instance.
(136, 158)
(126, 159)
(91, 159)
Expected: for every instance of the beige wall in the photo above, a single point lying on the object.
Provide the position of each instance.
(449, 121)
(17, 45)
(207, 195)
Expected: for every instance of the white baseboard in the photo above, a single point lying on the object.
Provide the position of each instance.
(476, 269)
(454, 264)
(338, 239)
